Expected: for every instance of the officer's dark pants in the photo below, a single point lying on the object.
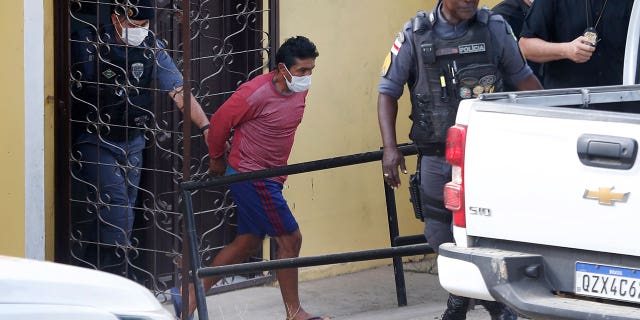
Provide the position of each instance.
(434, 174)
(111, 172)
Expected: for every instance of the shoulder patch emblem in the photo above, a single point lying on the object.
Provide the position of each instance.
(400, 37)
(397, 44)
(386, 65)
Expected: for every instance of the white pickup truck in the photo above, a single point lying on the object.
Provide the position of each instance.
(546, 199)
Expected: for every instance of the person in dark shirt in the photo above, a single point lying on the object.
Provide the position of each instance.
(580, 42)
(514, 12)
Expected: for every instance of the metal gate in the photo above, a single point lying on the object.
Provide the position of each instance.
(230, 42)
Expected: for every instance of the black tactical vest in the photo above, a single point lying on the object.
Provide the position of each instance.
(448, 70)
(116, 88)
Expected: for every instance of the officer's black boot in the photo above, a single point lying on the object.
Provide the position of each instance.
(499, 311)
(456, 308)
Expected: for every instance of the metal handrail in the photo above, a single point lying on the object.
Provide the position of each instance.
(317, 165)
(410, 250)
(196, 272)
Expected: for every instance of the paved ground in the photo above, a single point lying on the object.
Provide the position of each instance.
(362, 295)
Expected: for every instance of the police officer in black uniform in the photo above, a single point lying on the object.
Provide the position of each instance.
(452, 53)
(113, 68)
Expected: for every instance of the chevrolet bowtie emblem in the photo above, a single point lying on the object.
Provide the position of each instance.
(606, 196)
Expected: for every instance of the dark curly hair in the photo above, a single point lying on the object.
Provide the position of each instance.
(296, 47)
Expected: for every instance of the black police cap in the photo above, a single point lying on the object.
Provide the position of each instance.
(134, 9)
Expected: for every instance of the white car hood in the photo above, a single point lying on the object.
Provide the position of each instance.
(36, 282)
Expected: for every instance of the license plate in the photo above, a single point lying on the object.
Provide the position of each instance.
(609, 282)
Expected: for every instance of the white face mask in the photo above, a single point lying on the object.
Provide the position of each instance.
(134, 36)
(298, 84)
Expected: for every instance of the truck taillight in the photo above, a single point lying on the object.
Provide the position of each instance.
(454, 190)
(456, 139)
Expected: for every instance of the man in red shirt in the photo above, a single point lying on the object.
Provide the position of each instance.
(264, 114)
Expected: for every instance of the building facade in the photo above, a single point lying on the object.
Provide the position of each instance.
(338, 210)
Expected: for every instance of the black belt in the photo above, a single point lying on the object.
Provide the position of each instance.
(431, 149)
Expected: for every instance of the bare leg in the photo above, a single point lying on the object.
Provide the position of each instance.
(289, 247)
(242, 247)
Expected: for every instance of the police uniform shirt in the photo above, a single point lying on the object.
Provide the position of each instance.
(84, 57)
(403, 62)
(564, 21)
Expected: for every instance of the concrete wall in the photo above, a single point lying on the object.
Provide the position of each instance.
(12, 170)
(49, 145)
(27, 216)
(344, 209)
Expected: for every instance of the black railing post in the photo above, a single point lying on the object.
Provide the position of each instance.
(190, 226)
(394, 232)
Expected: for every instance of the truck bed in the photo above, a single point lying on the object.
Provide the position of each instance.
(512, 147)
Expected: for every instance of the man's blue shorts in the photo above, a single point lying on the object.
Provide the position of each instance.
(261, 208)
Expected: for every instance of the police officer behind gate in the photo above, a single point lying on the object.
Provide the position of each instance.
(112, 69)
(452, 53)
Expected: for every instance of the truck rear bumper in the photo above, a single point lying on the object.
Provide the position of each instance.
(517, 279)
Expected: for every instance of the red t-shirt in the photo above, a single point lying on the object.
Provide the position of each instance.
(265, 122)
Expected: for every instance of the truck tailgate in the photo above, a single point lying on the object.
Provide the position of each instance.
(509, 149)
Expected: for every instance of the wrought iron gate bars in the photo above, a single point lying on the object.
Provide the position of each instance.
(160, 207)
